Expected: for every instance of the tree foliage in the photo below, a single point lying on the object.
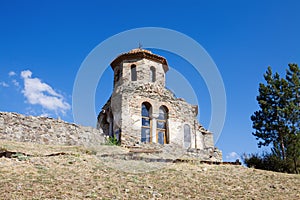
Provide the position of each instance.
(267, 161)
(277, 122)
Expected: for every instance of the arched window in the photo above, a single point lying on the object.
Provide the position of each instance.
(152, 74)
(187, 136)
(146, 123)
(133, 73)
(161, 126)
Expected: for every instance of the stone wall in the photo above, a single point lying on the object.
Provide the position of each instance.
(123, 72)
(208, 154)
(43, 130)
(125, 106)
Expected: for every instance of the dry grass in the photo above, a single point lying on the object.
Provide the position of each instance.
(82, 175)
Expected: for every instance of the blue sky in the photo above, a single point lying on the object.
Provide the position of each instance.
(43, 43)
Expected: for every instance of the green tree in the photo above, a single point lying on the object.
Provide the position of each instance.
(276, 123)
(293, 115)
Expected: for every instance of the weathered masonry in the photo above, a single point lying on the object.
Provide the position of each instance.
(142, 110)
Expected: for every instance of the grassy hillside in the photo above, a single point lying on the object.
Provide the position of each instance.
(63, 172)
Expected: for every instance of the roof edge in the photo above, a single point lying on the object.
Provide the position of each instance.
(140, 53)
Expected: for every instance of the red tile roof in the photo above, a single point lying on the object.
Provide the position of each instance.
(139, 53)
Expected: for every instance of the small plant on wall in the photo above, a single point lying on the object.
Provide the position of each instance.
(112, 140)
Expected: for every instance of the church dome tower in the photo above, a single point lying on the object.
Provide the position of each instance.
(139, 66)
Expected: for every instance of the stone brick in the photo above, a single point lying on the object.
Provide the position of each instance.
(42, 130)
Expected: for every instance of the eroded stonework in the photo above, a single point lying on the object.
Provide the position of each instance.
(44, 130)
(142, 110)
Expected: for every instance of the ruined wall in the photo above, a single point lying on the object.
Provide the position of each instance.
(45, 130)
(180, 112)
(127, 98)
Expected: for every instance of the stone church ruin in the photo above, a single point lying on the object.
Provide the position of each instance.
(142, 110)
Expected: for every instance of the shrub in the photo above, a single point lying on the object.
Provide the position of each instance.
(268, 161)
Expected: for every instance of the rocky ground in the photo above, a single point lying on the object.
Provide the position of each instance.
(32, 171)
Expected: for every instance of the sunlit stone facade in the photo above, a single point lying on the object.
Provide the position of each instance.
(142, 110)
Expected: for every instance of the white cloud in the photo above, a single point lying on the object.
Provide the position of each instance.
(15, 82)
(3, 84)
(232, 156)
(12, 73)
(38, 93)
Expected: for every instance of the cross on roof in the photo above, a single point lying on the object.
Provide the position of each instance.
(140, 45)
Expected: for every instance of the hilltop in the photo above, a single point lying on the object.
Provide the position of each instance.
(39, 171)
